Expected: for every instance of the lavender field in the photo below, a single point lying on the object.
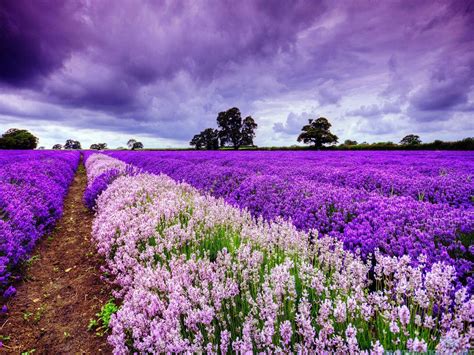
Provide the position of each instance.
(286, 251)
(236, 177)
(33, 185)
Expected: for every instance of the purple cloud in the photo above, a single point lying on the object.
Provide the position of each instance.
(294, 123)
(376, 110)
(447, 88)
(36, 38)
(165, 68)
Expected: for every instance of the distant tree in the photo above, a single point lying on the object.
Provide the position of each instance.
(230, 124)
(411, 139)
(99, 146)
(16, 138)
(317, 132)
(464, 144)
(58, 146)
(248, 130)
(350, 142)
(234, 132)
(197, 141)
(72, 144)
(131, 142)
(41, 148)
(208, 139)
(137, 145)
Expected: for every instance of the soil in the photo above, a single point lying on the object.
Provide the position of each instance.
(61, 289)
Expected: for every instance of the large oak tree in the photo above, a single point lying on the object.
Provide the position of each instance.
(317, 132)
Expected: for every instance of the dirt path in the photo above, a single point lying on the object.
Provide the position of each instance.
(61, 290)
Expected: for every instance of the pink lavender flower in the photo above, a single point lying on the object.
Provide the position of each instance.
(187, 266)
(416, 345)
(286, 332)
(404, 315)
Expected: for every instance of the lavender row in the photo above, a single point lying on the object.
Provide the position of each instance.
(101, 172)
(449, 178)
(362, 220)
(195, 274)
(32, 190)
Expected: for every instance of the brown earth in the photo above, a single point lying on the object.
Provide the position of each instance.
(61, 289)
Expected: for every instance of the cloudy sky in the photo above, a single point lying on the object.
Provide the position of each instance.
(160, 71)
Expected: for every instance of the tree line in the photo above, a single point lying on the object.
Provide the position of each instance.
(15, 138)
(132, 144)
(232, 131)
(317, 133)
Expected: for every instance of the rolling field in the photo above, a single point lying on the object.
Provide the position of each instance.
(287, 251)
(32, 188)
(243, 251)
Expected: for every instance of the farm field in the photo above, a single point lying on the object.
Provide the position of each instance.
(383, 278)
(247, 251)
(32, 188)
(236, 177)
(401, 203)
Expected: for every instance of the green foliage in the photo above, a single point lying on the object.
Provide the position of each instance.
(101, 324)
(208, 139)
(137, 145)
(231, 132)
(98, 146)
(411, 139)
(32, 260)
(317, 132)
(72, 144)
(248, 131)
(350, 142)
(134, 144)
(27, 315)
(464, 144)
(230, 124)
(18, 139)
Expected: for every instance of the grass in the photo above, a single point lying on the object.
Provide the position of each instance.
(32, 260)
(101, 324)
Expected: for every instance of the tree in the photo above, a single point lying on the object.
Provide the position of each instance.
(248, 130)
(234, 132)
(58, 146)
(230, 124)
(350, 142)
(16, 138)
(131, 142)
(197, 141)
(137, 145)
(317, 132)
(209, 139)
(99, 146)
(72, 144)
(411, 139)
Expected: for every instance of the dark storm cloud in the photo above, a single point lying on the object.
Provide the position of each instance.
(165, 68)
(448, 87)
(445, 93)
(36, 37)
